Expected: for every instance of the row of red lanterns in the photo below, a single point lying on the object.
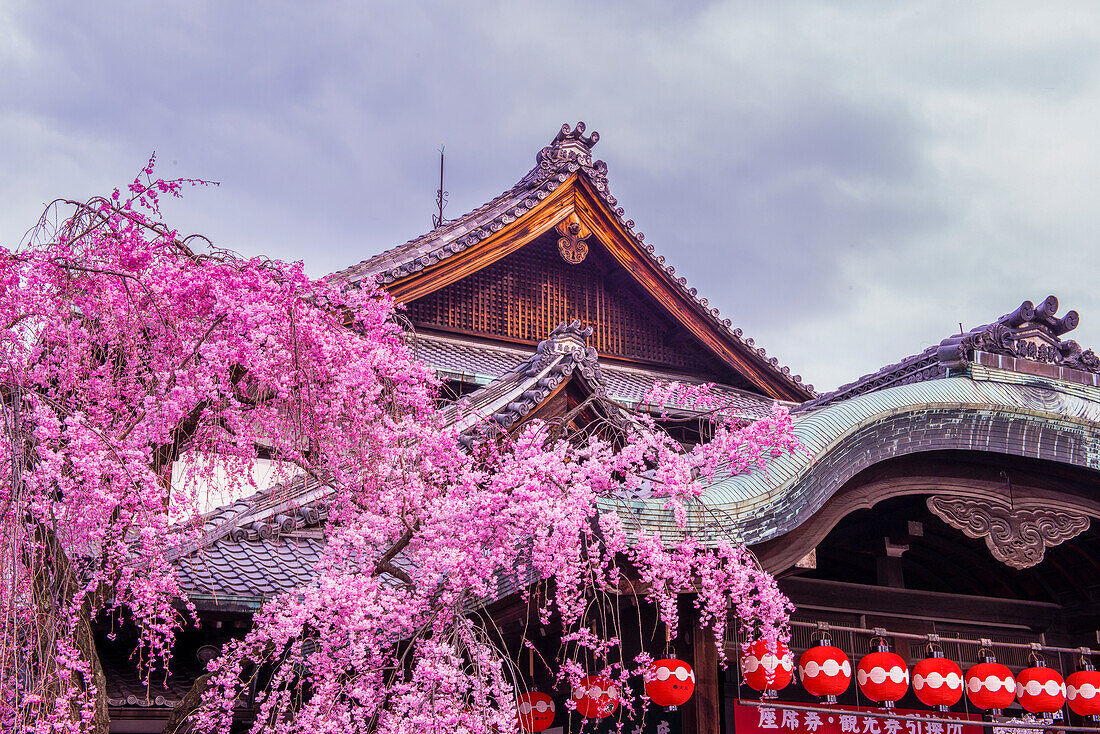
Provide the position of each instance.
(883, 677)
(668, 682)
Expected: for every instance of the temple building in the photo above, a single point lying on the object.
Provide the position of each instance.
(942, 503)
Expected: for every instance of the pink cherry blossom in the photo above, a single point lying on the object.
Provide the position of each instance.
(125, 346)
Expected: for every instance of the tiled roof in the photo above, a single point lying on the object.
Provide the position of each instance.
(467, 361)
(568, 154)
(630, 386)
(508, 399)
(268, 542)
(258, 546)
(250, 570)
(1019, 332)
(125, 688)
(271, 512)
(992, 410)
(480, 364)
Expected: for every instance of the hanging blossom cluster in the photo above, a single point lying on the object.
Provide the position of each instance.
(121, 347)
(393, 646)
(127, 347)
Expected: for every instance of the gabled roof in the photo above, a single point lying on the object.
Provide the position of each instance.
(507, 401)
(466, 361)
(566, 182)
(258, 546)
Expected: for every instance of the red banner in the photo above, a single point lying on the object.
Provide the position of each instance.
(847, 720)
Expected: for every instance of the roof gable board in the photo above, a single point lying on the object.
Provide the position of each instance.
(566, 184)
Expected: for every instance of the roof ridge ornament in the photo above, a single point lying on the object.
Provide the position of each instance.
(570, 149)
(570, 144)
(567, 338)
(1030, 332)
(576, 135)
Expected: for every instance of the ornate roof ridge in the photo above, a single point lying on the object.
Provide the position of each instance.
(1030, 332)
(568, 153)
(517, 393)
(277, 510)
(914, 368)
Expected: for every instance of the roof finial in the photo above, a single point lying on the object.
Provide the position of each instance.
(570, 144)
(576, 134)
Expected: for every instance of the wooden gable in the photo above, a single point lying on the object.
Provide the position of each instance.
(556, 247)
(517, 286)
(523, 296)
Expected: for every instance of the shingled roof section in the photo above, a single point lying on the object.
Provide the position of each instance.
(470, 362)
(570, 152)
(509, 399)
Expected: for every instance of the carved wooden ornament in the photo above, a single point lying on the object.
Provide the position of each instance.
(1016, 537)
(572, 246)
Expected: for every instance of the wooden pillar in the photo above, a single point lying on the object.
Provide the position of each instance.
(700, 714)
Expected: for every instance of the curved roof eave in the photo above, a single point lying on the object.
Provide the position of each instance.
(1043, 419)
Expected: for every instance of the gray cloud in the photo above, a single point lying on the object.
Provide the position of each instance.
(847, 183)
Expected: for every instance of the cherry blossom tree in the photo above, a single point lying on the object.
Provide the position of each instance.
(126, 347)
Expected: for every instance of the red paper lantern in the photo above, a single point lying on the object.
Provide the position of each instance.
(825, 671)
(536, 711)
(938, 682)
(1083, 692)
(767, 671)
(882, 676)
(596, 696)
(990, 686)
(1040, 690)
(669, 682)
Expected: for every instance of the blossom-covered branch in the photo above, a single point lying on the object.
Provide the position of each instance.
(127, 349)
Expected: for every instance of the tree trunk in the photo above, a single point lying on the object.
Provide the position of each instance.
(177, 720)
(54, 587)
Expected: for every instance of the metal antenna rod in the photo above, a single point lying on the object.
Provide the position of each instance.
(440, 195)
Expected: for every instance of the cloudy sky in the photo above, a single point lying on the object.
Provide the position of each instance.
(847, 182)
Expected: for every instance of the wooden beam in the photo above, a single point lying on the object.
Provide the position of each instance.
(553, 209)
(620, 244)
(860, 598)
(701, 712)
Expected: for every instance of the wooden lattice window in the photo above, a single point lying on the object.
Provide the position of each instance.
(523, 296)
